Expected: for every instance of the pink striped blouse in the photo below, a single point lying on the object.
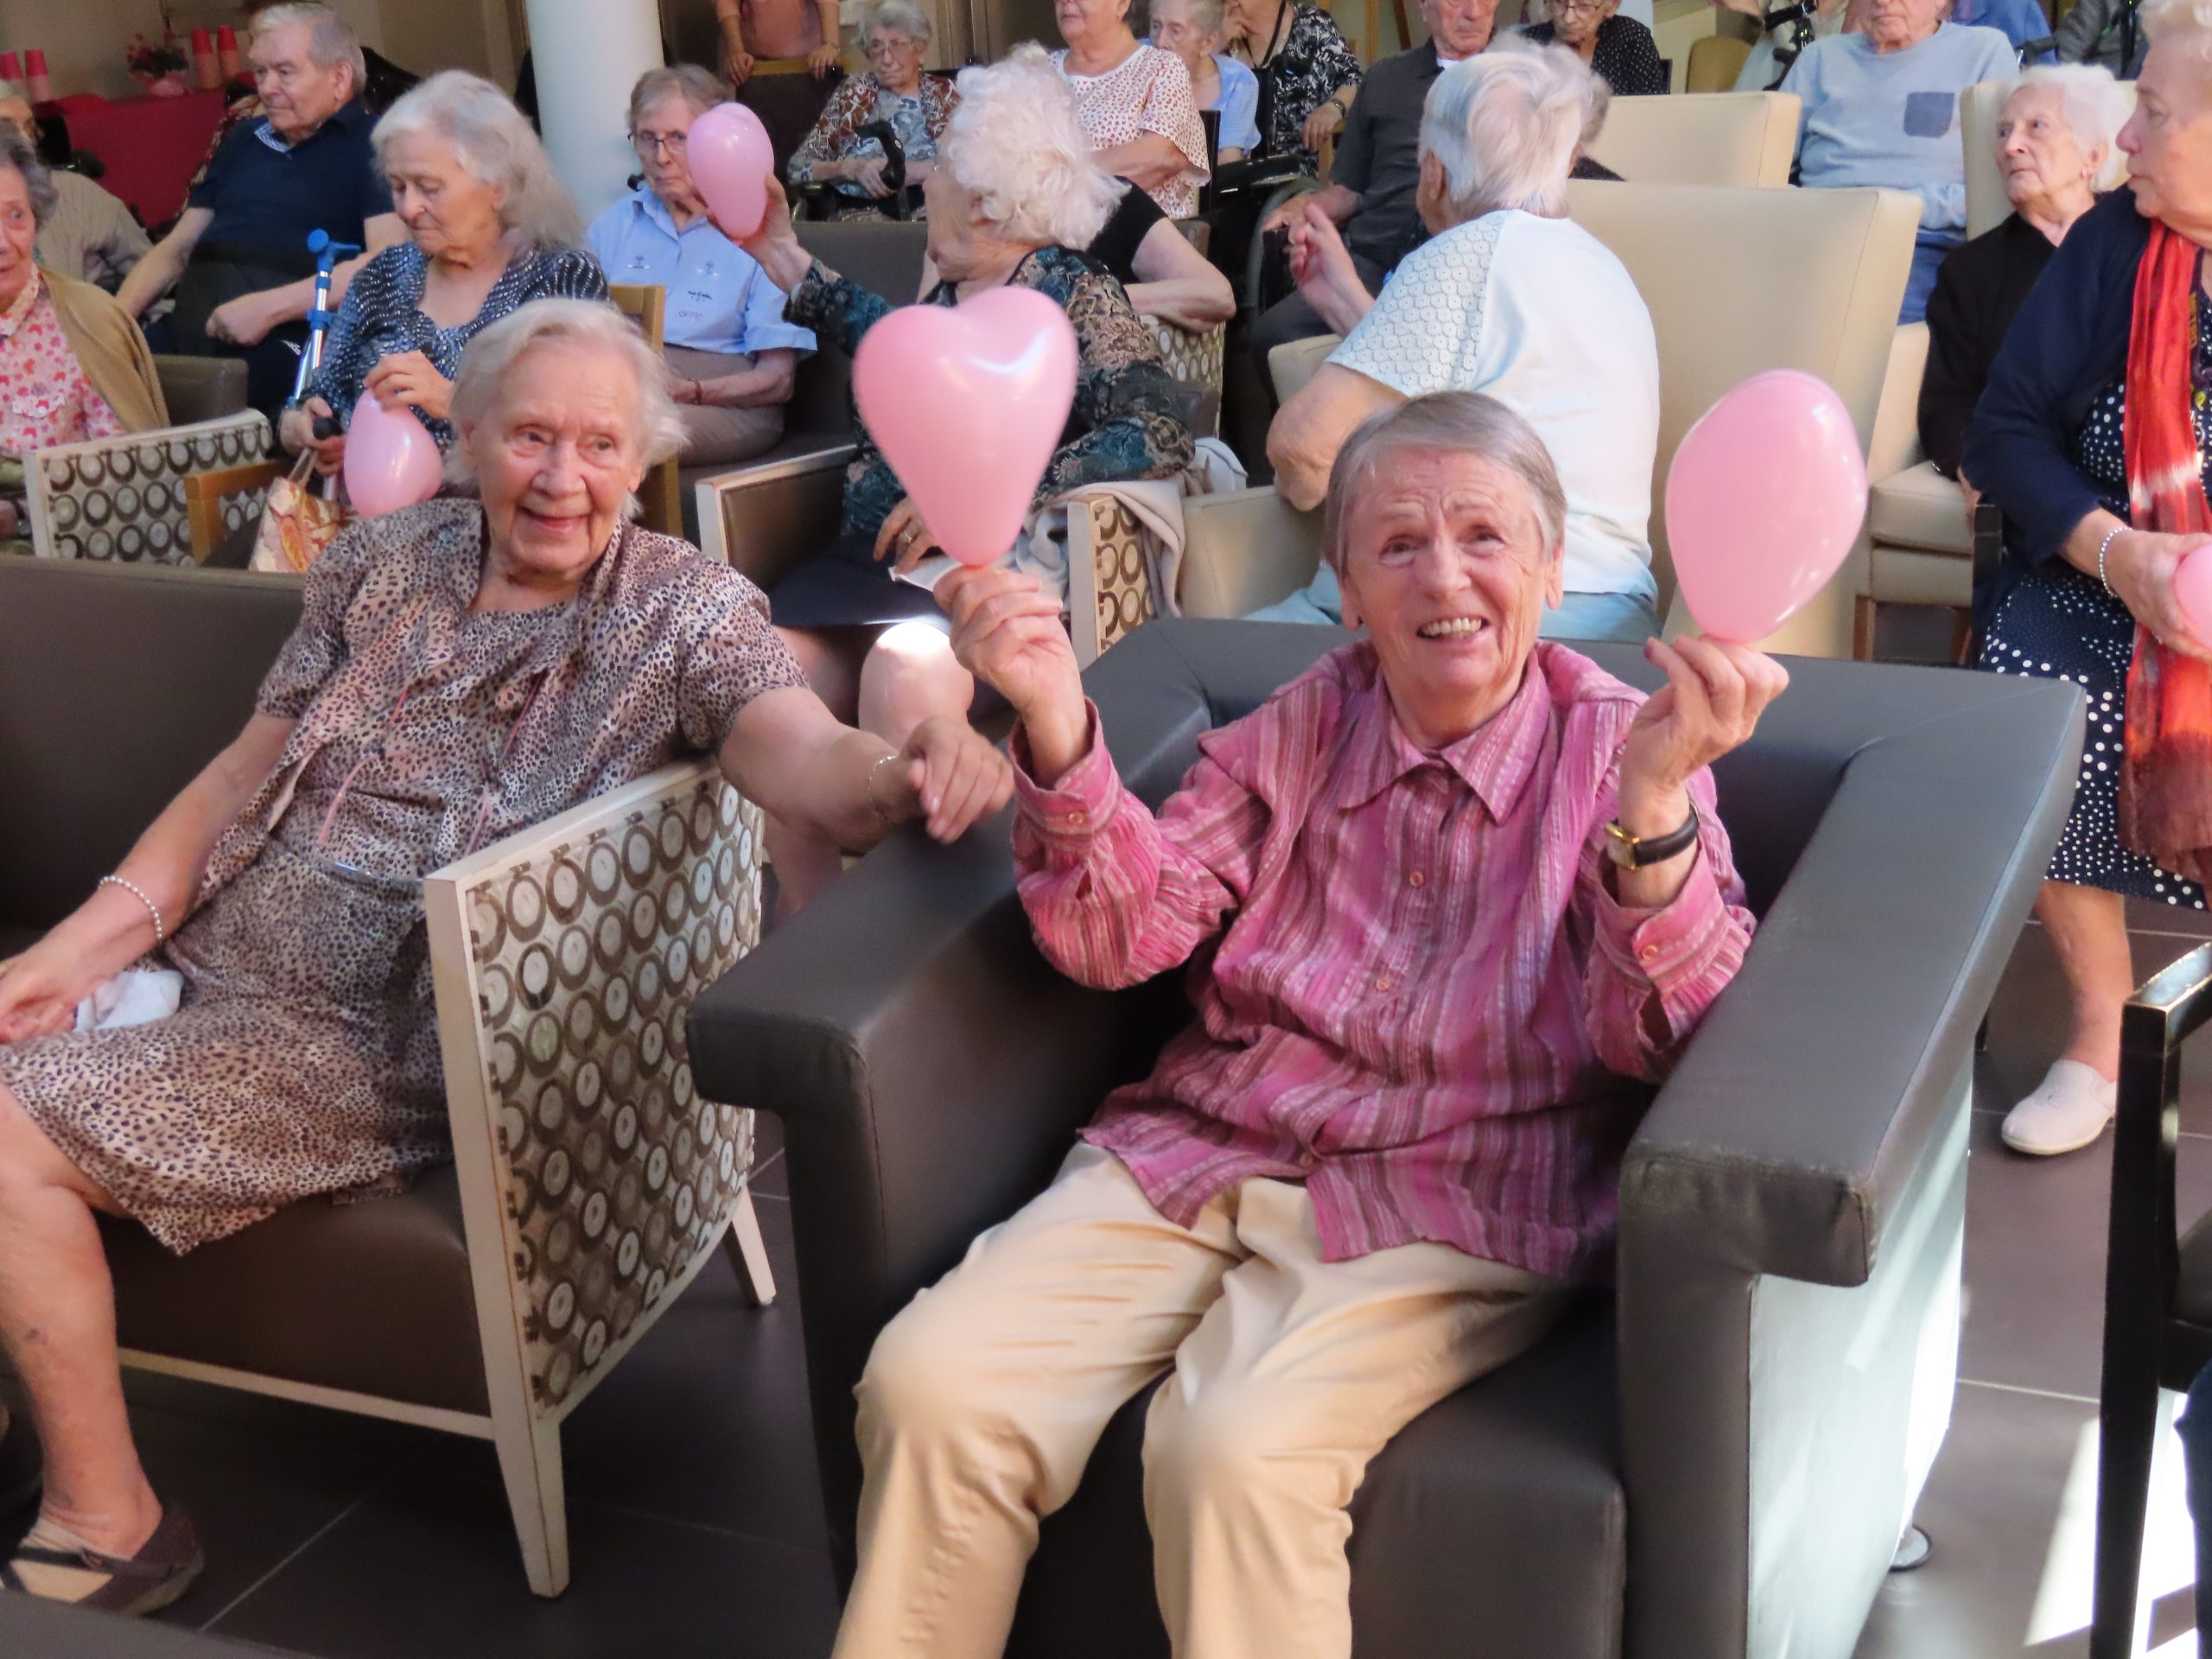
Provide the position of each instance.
(1415, 992)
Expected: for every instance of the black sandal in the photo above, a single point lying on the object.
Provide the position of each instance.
(162, 1570)
(21, 1469)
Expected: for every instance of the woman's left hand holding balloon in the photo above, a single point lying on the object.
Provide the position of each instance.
(408, 379)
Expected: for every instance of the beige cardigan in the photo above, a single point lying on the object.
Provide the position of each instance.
(115, 355)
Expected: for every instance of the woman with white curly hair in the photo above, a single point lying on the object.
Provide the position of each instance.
(1508, 296)
(489, 228)
(2093, 436)
(1017, 191)
(2055, 148)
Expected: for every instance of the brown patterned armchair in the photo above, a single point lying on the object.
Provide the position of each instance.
(126, 499)
(590, 1183)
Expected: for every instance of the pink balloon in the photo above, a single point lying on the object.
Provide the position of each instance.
(967, 404)
(2193, 592)
(731, 161)
(391, 461)
(1765, 499)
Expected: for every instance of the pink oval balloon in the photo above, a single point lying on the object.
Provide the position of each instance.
(731, 159)
(2193, 591)
(1764, 499)
(391, 461)
(967, 404)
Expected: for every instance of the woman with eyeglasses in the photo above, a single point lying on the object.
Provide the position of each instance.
(1618, 49)
(917, 106)
(489, 228)
(731, 357)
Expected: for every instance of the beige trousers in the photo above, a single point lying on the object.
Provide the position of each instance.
(982, 1399)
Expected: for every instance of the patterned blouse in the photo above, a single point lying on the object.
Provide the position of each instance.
(919, 121)
(46, 397)
(381, 316)
(654, 658)
(1149, 90)
(1312, 60)
(1128, 419)
(1626, 58)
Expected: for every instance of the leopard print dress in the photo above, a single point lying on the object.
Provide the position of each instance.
(305, 1057)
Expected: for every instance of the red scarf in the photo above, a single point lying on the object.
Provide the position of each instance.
(2165, 780)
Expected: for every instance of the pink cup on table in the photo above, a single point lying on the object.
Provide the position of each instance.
(205, 74)
(11, 67)
(39, 83)
(226, 52)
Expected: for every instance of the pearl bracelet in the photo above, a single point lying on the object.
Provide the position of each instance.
(161, 928)
(2104, 547)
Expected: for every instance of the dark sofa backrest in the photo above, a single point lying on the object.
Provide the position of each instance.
(885, 259)
(1196, 676)
(118, 684)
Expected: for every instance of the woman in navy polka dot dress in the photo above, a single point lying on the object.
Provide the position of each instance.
(2078, 579)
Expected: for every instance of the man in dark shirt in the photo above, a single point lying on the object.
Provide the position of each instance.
(238, 257)
(1377, 173)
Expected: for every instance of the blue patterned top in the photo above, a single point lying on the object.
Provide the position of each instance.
(381, 316)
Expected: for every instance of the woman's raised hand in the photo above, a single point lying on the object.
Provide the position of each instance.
(774, 244)
(1008, 633)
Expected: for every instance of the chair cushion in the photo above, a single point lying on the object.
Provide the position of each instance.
(1911, 576)
(1508, 1493)
(1919, 507)
(372, 1297)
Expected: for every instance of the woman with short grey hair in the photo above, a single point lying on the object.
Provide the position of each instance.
(489, 228)
(1511, 297)
(895, 91)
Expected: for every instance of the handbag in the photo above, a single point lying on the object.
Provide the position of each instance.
(297, 524)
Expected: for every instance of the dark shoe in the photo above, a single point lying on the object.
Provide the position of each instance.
(162, 1570)
(21, 1467)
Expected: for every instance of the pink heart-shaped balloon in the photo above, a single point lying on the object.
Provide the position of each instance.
(731, 158)
(2193, 592)
(967, 404)
(391, 461)
(1764, 499)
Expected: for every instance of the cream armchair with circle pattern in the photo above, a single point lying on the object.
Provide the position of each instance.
(123, 499)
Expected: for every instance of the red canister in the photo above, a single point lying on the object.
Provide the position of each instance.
(41, 83)
(205, 75)
(226, 52)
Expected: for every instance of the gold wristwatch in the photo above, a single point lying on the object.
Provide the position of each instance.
(1637, 852)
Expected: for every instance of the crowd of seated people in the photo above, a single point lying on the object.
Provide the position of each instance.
(1481, 444)
(897, 91)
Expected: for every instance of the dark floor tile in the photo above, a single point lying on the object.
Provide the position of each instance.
(2009, 1511)
(706, 1421)
(427, 1569)
(2146, 916)
(259, 1477)
(2035, 1268)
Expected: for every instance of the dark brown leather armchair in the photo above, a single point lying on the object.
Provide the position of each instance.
(1717, 1463)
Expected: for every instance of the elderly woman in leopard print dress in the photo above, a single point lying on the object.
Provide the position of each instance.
(461, 670)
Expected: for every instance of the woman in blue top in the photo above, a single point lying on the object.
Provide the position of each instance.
(490, 229)
(1195, 31)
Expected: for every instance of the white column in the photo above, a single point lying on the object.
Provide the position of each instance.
(588, 55)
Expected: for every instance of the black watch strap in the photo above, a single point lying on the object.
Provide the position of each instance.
(1639, 852)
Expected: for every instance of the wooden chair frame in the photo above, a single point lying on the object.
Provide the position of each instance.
(662, 494)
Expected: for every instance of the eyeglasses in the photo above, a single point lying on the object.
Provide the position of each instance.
(880, 46)
(649, 144)
(1561, 8)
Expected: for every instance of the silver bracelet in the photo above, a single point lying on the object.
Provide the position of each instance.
(2104, 547)
(161, 928)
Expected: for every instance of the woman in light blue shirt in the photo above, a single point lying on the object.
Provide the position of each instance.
(1195, 31)
(731, 356)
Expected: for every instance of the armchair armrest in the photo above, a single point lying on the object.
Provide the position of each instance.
(215, 503)
(1792, 1204)
(1895, 444)
(762, 519)
(595, 1180)
(1244, 549)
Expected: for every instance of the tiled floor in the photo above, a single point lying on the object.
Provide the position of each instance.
(696, 1528)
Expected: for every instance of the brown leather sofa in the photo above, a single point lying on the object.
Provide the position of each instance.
(1715, 1463)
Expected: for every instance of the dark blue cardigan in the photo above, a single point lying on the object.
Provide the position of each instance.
(2067, 344)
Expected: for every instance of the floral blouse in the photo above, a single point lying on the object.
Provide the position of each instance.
(861, 100)
(1149, 90)
(1313, 60)
(382, 316)
(1127, 420)
(1626, 58)
(45, 398)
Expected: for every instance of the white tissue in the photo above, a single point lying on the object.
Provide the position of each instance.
(137, 996)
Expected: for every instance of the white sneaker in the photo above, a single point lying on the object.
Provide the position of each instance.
(2067, 1112)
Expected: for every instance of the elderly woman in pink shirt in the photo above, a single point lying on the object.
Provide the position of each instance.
(1443, 893)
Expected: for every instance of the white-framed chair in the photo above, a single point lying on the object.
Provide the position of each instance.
(125, 499)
